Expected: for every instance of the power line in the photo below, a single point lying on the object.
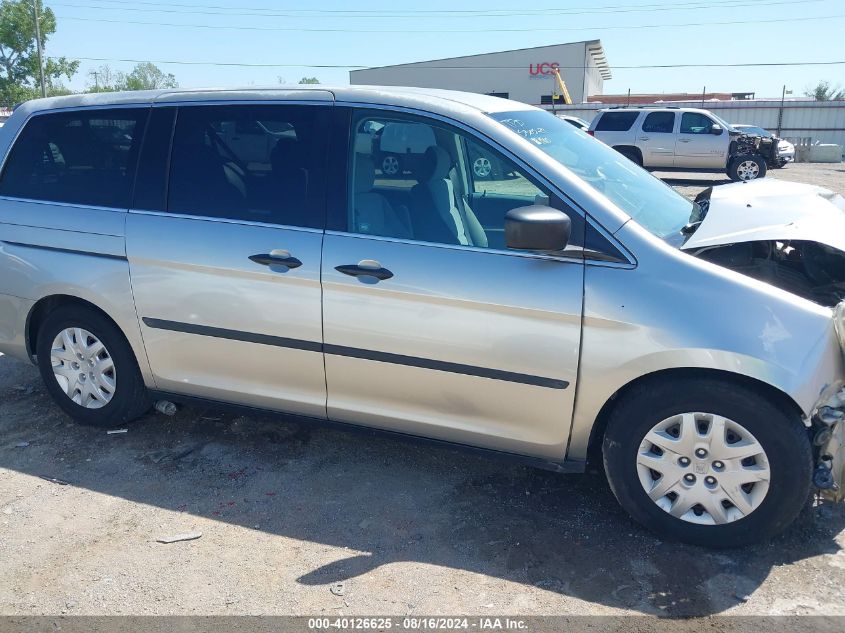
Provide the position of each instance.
(449, 12)
(508, 13)
(447, 31)
(428, 67)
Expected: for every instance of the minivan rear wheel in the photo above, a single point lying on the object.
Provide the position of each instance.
(89, 369)
(707, 462)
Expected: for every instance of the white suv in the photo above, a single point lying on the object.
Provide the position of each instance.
(684, 139)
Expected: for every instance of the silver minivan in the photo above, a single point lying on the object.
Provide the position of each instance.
(547, 313)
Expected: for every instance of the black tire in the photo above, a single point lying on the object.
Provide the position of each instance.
(733, 167)
(631, 154)
(778, 430)
(130, 399)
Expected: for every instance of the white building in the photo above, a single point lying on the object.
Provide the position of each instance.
(524, 74)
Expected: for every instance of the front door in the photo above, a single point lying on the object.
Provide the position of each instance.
(697, 146)
(431, 326)
(225, 267)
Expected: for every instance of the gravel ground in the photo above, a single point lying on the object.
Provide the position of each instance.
(831, 176)
(305, 520)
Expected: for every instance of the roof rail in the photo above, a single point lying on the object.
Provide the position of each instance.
(644, 107)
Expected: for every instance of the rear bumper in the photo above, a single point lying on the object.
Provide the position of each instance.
(13, 315)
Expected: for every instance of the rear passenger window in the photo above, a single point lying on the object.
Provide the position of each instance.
(81, 157)
(616, 121)
(659, 122)
(255, 163)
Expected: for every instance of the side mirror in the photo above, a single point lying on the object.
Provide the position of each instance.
(716, 129)
(537, 228)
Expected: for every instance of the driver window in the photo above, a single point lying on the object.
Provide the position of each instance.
(415, 179)
(256, 163)
(695, 123)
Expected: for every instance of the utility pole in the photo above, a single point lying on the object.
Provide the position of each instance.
(38, 46)
(96, 80)
(780, 112)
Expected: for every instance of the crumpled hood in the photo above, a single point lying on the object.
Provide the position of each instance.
(769, 209)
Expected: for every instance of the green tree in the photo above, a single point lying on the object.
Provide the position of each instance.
(309, 80)
(148, 76)
(19, 77)
(824, 91)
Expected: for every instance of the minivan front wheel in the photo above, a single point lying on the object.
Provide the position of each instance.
(89, 369)
(707, 462)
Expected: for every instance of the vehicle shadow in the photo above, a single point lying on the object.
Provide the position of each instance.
(390, 502)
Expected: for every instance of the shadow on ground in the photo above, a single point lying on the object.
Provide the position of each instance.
(394, 502)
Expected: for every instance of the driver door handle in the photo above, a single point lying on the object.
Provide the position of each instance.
(276, 258)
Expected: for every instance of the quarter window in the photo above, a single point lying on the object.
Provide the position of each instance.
(253, 163)
(695, 123)
(659, 122)
(417, 180)
(80, 157)
(616, 121)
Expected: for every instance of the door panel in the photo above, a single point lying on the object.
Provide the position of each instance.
(656, 139)
(227, 289)
(487, 343)
(697, 147)
(219, 325)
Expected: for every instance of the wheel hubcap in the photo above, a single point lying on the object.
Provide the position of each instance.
(748, 170)
(83, 368)
(390, 165)
(482, 167)
(703, 468)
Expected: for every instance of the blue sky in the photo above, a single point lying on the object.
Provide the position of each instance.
(375, 33)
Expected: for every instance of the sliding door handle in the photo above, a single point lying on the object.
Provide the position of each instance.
(276, 258)
(365, 268)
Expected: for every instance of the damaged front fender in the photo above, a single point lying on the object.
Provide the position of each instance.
(829, 444)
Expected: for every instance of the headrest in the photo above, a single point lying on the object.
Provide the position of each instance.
(365, 173)
(285, 153)
(436, 164)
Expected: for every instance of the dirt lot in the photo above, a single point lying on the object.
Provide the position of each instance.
(831, 176)
(303, 520)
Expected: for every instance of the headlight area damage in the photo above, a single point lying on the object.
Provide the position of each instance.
(787, 234)
(791, 236)
(829, 446)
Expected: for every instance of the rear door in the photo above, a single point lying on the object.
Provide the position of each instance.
(697, 146)
(224, 249)
(432, 327)
(656, 139)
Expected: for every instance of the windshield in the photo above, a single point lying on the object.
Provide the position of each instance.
(727, 126)
(753, 129)
(649, 201)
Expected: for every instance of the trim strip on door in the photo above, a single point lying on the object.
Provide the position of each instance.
(233, 335)
(72, 251)
(354, 352)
